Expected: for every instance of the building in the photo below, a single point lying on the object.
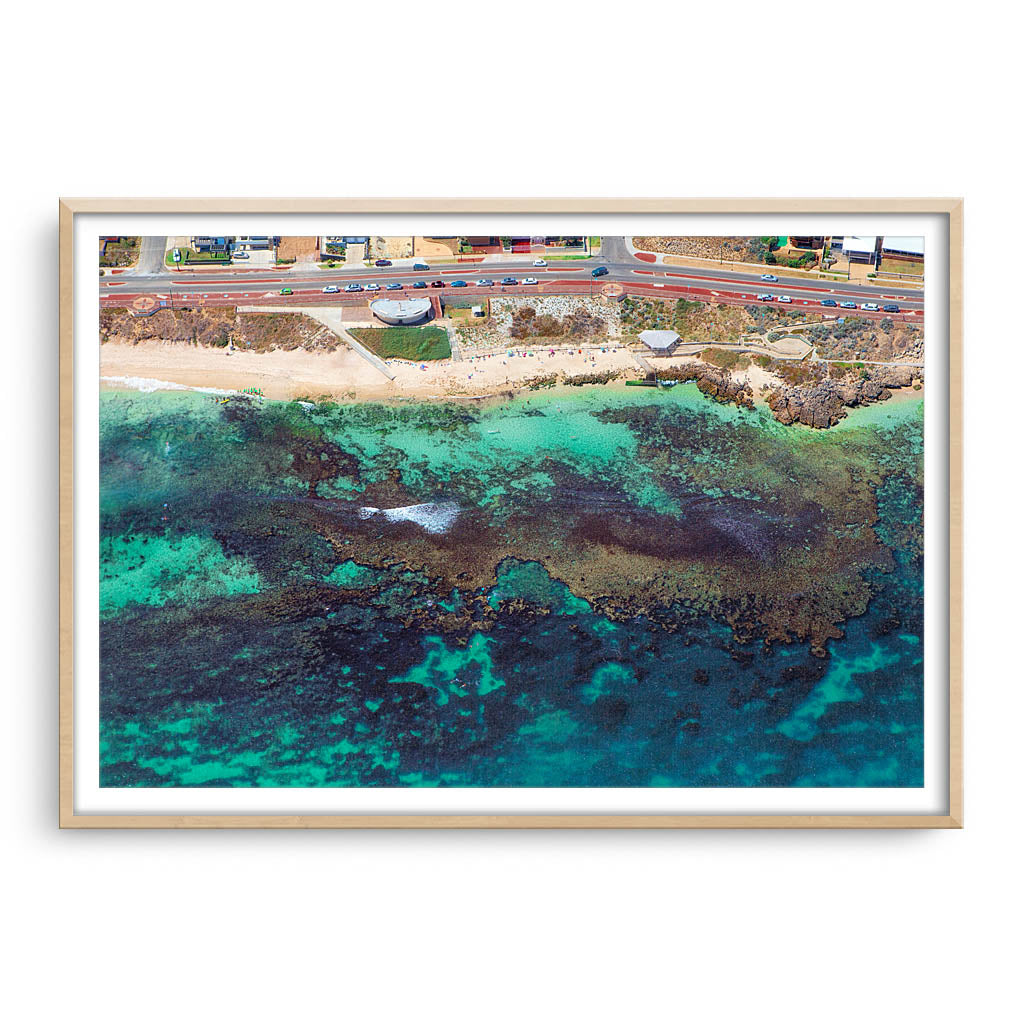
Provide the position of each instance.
(400, 311)
(211, 243)
(807, 241)
(253, 242)
(859, 248)
(902, 247)
(660, 343)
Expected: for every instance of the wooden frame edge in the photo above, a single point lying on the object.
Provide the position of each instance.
(69, 206)
(758, 822)
(66, 440)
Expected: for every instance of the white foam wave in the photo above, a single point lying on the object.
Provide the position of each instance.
(148, 384)
(433, 516)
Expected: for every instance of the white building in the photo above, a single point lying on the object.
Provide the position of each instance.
(908, 247)
(861, 248)
(400, 311)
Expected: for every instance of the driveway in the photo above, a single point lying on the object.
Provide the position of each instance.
(151, 255)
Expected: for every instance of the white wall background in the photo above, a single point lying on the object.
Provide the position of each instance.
(521, 99)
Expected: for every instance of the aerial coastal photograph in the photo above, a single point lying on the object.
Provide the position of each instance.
(511, 511)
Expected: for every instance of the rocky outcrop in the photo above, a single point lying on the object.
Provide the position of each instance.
(825, 404)
(713, 382)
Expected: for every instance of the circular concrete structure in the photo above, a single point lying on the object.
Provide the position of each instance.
(400, 311)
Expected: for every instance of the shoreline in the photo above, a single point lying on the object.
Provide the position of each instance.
(344, 376)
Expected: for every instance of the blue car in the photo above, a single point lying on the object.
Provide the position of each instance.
(829, 302)
(509, 280)
(419, 284)
(599, 272)
(394, 286)
(458, 284)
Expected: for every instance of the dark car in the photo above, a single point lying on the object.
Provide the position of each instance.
(419, 284)
(394, 286)
(509, 280)
(437, 284)
(891, 308)
(829, 302)
(599, 272)
(382, 263)
(458, 284)
(420, 266)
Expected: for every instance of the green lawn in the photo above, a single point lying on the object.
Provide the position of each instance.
(413, 343)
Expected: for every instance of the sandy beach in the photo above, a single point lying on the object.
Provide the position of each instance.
(344, 374)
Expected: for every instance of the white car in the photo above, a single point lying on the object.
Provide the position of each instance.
(871, 307)
(239, 255)
(330, 289)
(373, 287)
(529, 280)
(540, 263)
(764, 297)
(784, 298)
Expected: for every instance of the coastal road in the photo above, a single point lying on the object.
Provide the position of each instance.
(226, 286)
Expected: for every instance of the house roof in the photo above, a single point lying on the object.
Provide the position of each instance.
(904, 243)
(859, 243)
(659, 339)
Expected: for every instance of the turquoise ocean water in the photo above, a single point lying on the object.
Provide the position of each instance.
(588, 587)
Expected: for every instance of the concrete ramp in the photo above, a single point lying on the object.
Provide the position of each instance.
(332, 319)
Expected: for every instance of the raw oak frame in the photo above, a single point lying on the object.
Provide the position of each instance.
(951, 207)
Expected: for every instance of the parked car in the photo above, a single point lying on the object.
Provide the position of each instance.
(891, 308)
(599, 272)
(330, 289)
(353, 287)
(540, 263)
(393, 287)
(382, 263)
(419, 284)
(420, 266)
(437, 284)
(871, 307)
(764, 297)
(768, 277)
(829, 302)
(847, 305)
(285, 291)
(373, 287)
(509, 280)
(176, 256)
(784, 298)
(529, 280)
(239, 255)
(458, 284)
(485, 282)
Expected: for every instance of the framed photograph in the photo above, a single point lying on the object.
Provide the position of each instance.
(651, 523)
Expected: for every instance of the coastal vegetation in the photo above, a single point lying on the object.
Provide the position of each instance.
(412, 343)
